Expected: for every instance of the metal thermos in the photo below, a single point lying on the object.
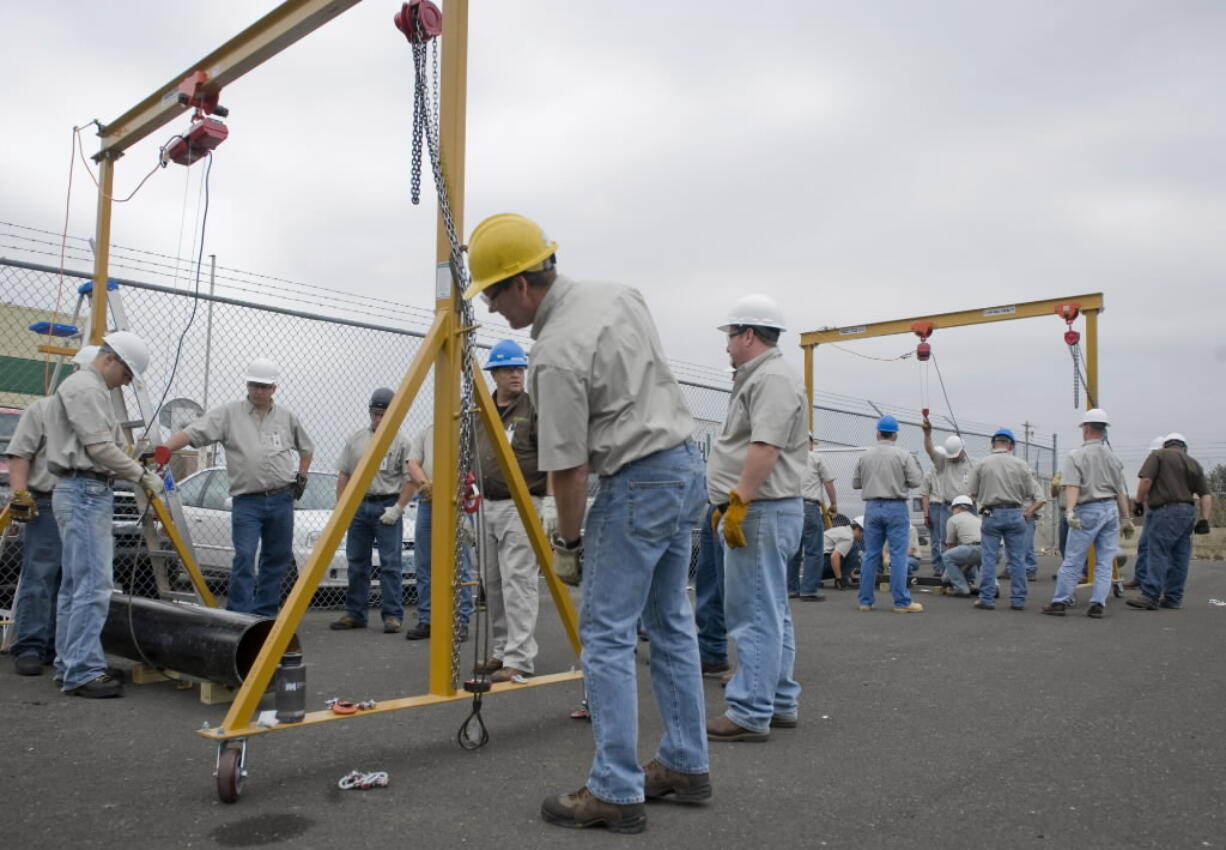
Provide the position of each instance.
(291, 688)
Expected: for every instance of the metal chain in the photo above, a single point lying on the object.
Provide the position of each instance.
(1076, 377)
(419, 121)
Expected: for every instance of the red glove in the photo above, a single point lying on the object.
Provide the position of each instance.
(161, 455)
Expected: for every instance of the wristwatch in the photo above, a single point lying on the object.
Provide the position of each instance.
(558, 542)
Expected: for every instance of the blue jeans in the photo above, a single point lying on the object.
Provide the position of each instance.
(83, 511)
(34, 607)
(366, 531)
(636, 562)
(884, 521)
(939, 513)
(1007, 525)
(1032, 559)
(709, 595)
(962, 566)
(266, 523)
(851, 562)
(422, 552)
(808, 553)
(1100, 528)
(1142, 565)
(759, 618)
(1170, 550)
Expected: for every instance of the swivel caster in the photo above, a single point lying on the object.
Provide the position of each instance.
(231, 769)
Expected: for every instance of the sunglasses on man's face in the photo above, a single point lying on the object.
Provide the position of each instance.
(490, 294)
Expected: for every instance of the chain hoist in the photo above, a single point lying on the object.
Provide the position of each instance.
(1069, 312)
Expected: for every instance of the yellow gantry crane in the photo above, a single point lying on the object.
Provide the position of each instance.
(442, 351)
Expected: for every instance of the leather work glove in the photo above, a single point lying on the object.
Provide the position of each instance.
(300, 482)
(567, 560)
(1128, 529)
(151, 482)
(23, 508)
(926, 426)
(733, 517)
(392, 515)
(1057, 481)
(1072, 519)
(1202, 526)
(549, 515)
(1138, 509)
(425, 490)
(828, 515)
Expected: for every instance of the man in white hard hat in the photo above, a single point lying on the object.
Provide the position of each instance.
(31, 484)
(953, 476)
(1096, 508)
(378, 523)
(805, 567)
(261, 439)
(963, 553)
(607, 403)
(754, 475)
(84, 452)
(1007, 494)
(843, 545)
(1171, 486)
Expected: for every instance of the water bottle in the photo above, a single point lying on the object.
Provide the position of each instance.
(291, 688)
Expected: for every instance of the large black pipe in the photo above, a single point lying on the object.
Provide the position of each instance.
(206, 643)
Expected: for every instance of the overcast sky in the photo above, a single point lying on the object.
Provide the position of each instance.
(856, 161)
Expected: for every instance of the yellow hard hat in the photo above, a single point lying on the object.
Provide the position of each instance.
(503, 246)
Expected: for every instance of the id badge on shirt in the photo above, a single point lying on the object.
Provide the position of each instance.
(274, 440)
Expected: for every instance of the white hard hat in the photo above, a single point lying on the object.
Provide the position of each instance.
(962, 500)
(858, 521)
(758, 310)
(1174, 437)
(1097, 416)
(86, 355)
(263, 371)
(130, 348)
(1156, 442)
(953, 445)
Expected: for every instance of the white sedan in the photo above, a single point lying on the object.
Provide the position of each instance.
(206, 508)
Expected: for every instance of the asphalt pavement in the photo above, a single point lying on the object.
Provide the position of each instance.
(955, 728)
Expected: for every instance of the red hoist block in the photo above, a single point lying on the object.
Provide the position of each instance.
(203, 136)
(419, 20)
(923, 351)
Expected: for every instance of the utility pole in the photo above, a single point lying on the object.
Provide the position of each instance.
(1026, 431)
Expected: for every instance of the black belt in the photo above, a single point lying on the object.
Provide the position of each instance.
(1103, 499)
(273, 492)
(104, 477)
(900, 499)
(1003, 505)
(40, 494)
(813, 501)
(1154, 508)
(379, 497)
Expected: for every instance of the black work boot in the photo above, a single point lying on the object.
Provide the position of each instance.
(661, 781)
(581, 809)
(419, 632)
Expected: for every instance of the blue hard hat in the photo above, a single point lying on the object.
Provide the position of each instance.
(1006, 433)
(506, 353)
(887, 424)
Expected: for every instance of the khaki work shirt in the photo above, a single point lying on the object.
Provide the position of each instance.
(767, 406)
(886, 471)
(1096, 470)
(817, 473)
(29, 441)
(421, 449)
(838, 539)
(519, 420)
(963, 528)
(1176, 478)
(82, 416)
(953, 477)
(259, 449)
(1002, 478)
(930, 488)
(390, 476)
(603, 391)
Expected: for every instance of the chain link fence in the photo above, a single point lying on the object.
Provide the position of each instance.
(329, 366)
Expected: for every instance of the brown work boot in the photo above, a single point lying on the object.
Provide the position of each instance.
(506, 674)
(347, 622)
(722, 729)
(660, 781)
(581, 809)
(488, 666)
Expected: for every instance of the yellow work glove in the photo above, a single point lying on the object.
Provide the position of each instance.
(828, 515)
(567, 560)
(425, 490)
(1127, 529)
(733, 517)
(22, 507)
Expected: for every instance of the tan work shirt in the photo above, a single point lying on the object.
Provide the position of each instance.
(390, 476)
(1096, 470)
(519, 420)
(817, 473)
(1176, 477)
(953, 477)
(29, 442)
(767, 406)
(603, 391)
(82, 416)
(838, 539)
(886, 471)
(930, 488)
(963, 528)
(1003, 479)
(259, 449)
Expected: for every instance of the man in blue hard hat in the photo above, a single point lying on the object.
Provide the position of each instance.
(1008, 495)
(886, 474)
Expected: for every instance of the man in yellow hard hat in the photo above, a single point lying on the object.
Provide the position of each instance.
(608, 404)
